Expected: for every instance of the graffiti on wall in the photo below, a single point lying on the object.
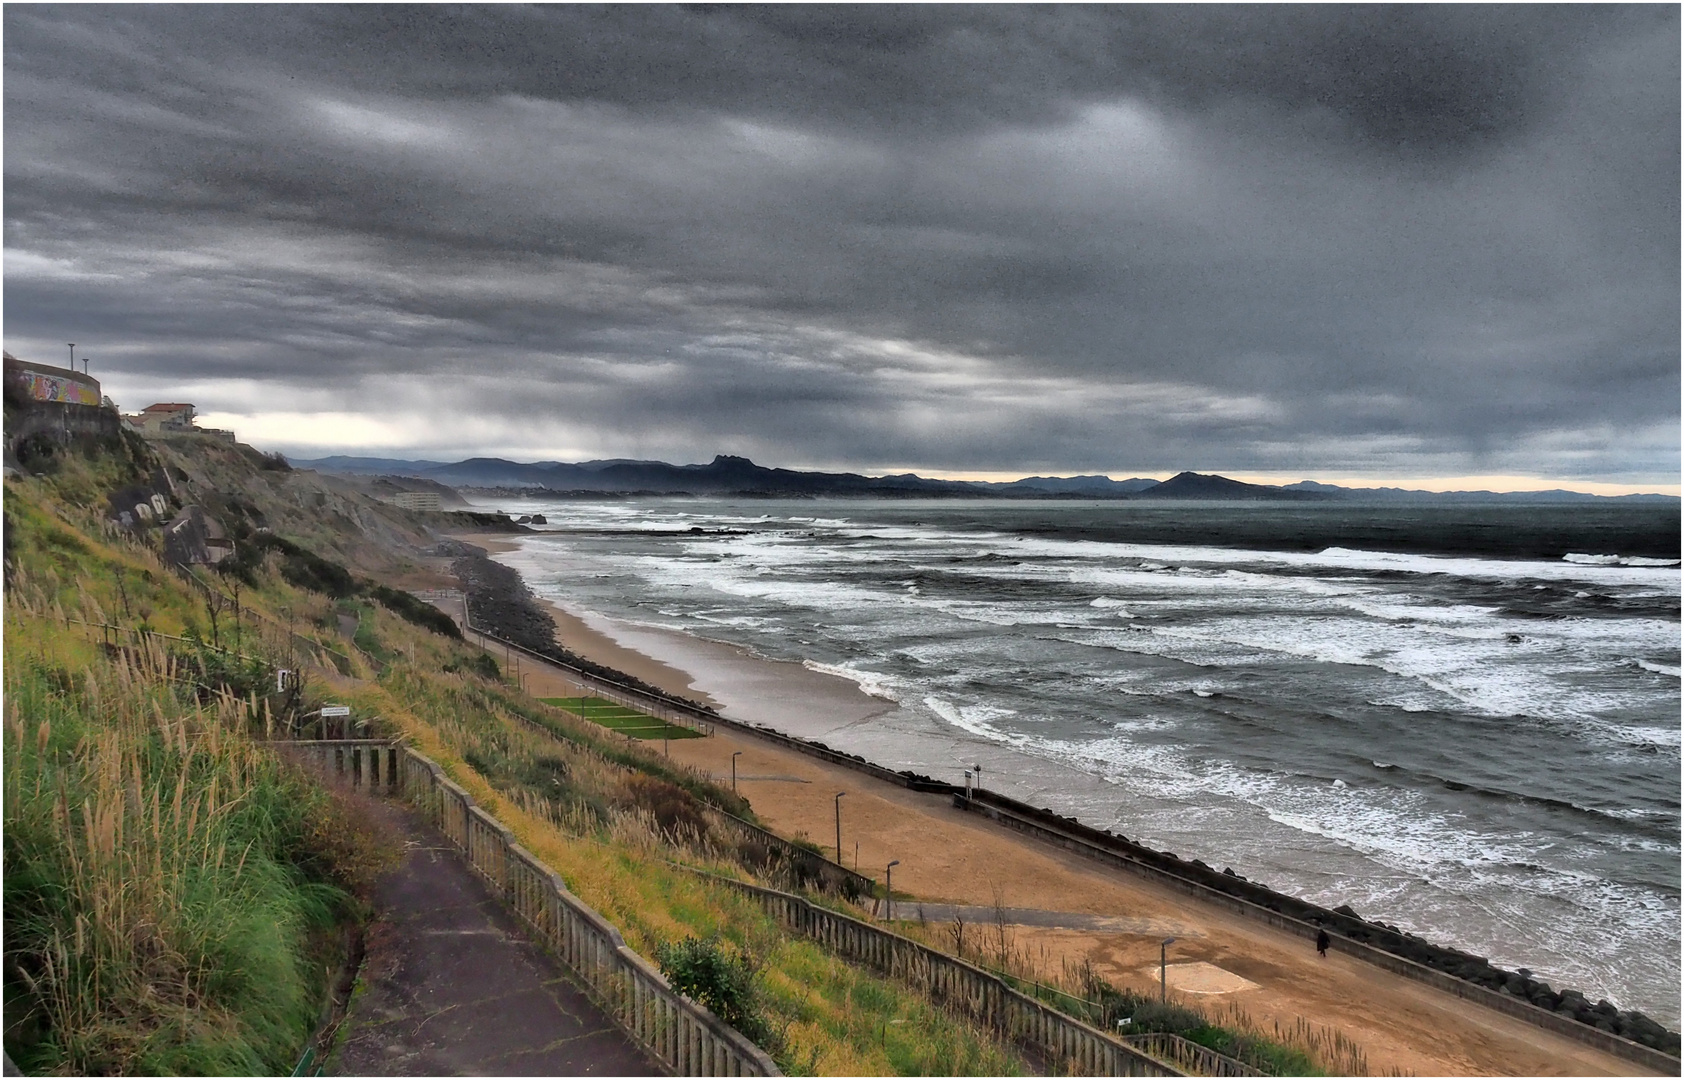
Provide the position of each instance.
(53, 388)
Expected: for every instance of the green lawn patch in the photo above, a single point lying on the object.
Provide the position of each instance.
(619, 718)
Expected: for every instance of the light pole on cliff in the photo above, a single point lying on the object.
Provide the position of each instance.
(1163, 968)
(889, 890)
(734, 758)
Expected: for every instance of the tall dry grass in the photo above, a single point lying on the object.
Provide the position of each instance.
(167, 879)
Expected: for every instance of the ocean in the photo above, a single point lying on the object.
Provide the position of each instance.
(1462, 720)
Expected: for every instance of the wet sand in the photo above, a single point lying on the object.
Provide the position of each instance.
(949, 856)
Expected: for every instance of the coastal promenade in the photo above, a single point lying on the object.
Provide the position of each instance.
(1220, 960)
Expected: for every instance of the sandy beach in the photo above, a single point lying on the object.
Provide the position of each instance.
(1218, 960)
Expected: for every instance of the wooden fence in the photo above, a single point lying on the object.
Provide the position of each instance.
(686, 1038)
(1189, 1056)
(1068, 1045)
(366, 765)
(811, 868)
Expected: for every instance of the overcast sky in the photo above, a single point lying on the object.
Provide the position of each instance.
(1325, 242)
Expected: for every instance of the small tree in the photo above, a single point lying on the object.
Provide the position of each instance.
(719, 980)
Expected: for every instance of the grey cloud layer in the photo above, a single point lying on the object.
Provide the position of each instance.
(1325, 239)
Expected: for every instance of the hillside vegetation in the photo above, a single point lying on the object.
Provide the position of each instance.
(176, 892)
(173, 889)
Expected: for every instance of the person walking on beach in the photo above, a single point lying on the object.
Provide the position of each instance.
(1322, 942)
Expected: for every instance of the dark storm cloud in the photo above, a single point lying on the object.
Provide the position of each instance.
(1408, 240)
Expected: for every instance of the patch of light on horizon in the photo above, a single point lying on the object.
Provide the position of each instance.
(1498, 482)
(325, 430)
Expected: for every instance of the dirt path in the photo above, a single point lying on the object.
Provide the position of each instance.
(450, 987)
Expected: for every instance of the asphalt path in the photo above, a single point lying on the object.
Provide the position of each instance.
(451, 987)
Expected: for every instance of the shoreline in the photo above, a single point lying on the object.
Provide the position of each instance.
(954, 857)
(739, 684)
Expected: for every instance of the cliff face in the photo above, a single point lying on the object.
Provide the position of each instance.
(249, 491)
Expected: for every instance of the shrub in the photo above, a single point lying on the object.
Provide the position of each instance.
(304, 568)
(415, 610)
(481, 664)
(215, 672)
(677, 812)
(721, 981)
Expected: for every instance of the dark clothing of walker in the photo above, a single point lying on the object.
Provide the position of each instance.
(1322, 942)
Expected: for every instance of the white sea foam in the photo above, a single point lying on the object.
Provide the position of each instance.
(1658, 669)
(1616, 560)
(873, 683)
(1348, 559)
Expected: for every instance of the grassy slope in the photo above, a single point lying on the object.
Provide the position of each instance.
(169, 884)
(168, 880)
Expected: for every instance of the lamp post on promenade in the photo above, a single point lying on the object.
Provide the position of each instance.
(1163, 968)
(734, 758)
(72, 356)
(839, 795)
(889, 890)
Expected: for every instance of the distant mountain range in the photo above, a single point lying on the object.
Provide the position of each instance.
(726, 475)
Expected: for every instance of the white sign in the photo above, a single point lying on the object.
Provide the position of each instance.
(336, 710)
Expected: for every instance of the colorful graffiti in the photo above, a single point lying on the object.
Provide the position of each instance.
(71, 391)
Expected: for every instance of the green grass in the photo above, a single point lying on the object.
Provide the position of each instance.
(169, 883)
(621, 719)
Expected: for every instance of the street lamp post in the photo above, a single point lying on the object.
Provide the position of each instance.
(889, 890)
(839, 795)
(734, 758)
(1163, 968)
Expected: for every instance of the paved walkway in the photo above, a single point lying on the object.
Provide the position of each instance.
(983, 915)
(451, 987)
